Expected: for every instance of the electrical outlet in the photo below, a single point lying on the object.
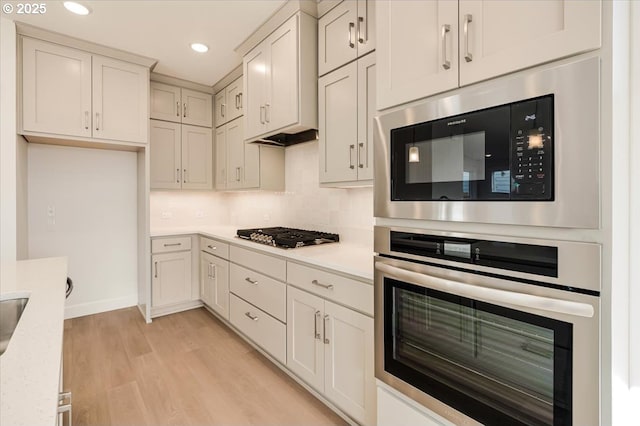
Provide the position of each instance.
(266, 217)
(167, 215)
(51, 216)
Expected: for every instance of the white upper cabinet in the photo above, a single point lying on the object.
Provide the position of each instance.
(56, 96)
(171, 103)
(69, 92)
(345, 33)
(181, 156)
(347, 108)
(221, 158)
(228, 102)
(120, 99)
(280, 85)
(418, 42)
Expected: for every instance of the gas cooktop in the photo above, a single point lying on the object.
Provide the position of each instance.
(287, 237)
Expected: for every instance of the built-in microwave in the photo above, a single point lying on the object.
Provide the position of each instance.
(521, 150)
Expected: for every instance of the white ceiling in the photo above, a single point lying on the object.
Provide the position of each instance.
(164, 30)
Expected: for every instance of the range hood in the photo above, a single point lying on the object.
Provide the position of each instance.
(288, 139)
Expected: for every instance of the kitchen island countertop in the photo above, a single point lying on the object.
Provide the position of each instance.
(30, 367)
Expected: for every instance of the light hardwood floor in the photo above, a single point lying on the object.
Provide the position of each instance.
(182, 369)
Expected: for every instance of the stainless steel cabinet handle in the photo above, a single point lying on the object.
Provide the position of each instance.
(319, 284)
(360, 156)
(213, 271)
(351, 27)
(155, 275)
(86, 120)
(467, 54)
(262, 110)
(360, 22)
(97, 121)
(173, 244)
(177, 175)
(178, 109)
(236, 100)
(250, 281)
(446, 64)
(324, 329)
(184, 109)
(267, 113)
(184, 176)
(222, 107)
(209, 270)
(351, 148)
(316, 332)
(240, 100)
(252, 317)
(237, 174)
(212, 247)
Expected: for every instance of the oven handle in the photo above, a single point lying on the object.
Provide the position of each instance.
(491, 295)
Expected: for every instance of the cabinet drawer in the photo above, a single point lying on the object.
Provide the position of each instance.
(264, 292)
(215, 247)
(163, 245)
(352, 293)
(268, 265)
(266, 331)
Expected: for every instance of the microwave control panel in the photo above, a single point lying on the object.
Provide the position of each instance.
(532, 149)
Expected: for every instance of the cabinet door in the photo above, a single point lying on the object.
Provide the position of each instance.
(499, 37)
(365, 26)
(120, 100)
(283, 100)
(417, 49)
(234, 99)
(206, 279)
(338, 124)
(348, 362)
(337, 36)
(165, 102)
(165, 155)
(221, 157)
(196, 108)
(305, 348)
(255, 90)
(56, 89)
(366, 112)
(220, 104)
(219, 278)
(171, 282)
(235, 154)
(197, 158)
(251, 170)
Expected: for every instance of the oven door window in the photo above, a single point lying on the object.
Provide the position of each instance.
(496, 365)
(465, 157)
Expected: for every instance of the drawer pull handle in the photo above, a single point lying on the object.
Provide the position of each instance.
(250, 281)
(173, 244)
(212, 247)
(319, 284)
(251, 317)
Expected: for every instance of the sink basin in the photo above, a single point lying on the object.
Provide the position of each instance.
(10, 313)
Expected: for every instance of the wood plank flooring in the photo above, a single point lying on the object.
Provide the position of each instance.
(182, 369)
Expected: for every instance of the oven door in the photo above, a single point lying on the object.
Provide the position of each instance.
(496, 351)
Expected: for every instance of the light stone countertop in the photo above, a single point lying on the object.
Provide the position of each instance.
(30, 367)
(355, 261)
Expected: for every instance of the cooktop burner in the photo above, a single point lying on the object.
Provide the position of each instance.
(287, 237)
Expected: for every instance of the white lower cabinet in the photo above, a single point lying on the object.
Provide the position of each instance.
(266, 331)
(214, 283)
(394, 411)
(171, 281)
(331, 348)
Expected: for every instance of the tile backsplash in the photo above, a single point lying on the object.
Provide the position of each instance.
(348, 212)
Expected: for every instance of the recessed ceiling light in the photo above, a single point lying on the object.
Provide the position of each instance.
(76, 8)
(199, 47)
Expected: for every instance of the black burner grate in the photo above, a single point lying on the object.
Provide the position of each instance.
(287, 237)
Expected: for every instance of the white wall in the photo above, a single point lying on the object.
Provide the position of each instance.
(7, 139)
(22, 206)
(93, 194)
(348, 212)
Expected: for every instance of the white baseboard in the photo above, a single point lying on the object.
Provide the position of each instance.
(90, 308)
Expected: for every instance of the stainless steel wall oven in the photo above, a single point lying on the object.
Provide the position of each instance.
(487, 330)
(521, 150)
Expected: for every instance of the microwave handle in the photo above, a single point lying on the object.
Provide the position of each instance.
(490, 295)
